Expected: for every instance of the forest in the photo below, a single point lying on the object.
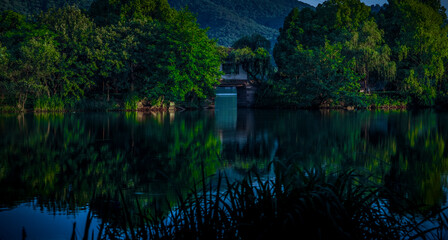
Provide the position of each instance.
(121, 52)
(137, 54)
(342, 53)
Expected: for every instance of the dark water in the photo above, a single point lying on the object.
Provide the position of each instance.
(54, 169)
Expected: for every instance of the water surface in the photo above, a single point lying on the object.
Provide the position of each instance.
(56, 169)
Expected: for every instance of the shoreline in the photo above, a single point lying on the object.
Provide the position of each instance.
(183, 109)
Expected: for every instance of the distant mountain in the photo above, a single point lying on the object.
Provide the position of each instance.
(228, 20)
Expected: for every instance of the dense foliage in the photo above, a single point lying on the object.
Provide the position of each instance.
(252, 53)
(341, 51)
(417, 35)
(142, 52)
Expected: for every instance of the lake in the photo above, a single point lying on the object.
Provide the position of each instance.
(60, 169)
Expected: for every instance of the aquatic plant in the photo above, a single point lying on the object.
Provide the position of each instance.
(309, 204)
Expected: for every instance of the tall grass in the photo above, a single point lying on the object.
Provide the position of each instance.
(131, 103)
(305, 204)
(49, 104)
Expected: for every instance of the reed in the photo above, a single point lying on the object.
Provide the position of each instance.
(306, 204)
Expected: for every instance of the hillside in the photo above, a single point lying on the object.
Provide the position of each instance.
(228, 20)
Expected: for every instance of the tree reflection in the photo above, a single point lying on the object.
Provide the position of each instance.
(66, 160)
(70, 161)
(404, 151)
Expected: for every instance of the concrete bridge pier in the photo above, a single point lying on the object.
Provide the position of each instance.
(245, 92)
(245, 96)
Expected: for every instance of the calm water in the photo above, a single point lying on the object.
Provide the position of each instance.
(58, 169)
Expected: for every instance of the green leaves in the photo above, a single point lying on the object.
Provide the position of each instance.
(372, 56)
(74, 31)
(4, 58)
(172, 60)
(253, 42)
(146, 49)
(404, 49)
(323, 55)
(107, 12)
(252, 53)
(326, 77)
(418, 37)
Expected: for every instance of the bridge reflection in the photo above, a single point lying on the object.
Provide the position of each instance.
(244, 145)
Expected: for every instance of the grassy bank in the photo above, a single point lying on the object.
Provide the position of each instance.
(383, 100)
(269, 97)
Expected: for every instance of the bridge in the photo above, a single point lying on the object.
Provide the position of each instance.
(235, 81)
(244, 91)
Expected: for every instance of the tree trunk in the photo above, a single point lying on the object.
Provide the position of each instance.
(108, 92)
(22, 101)
(132, 77)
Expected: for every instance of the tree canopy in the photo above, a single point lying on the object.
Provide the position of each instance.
(112, 11)
(401, 48)
(139, 50)
(252, 52)
(417, 34)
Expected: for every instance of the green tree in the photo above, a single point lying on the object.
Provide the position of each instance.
(257, 63)
(343, 23)
(4, 59)
(160, 61)
(372, 56)
(15, 29)
(252, 52)
(253, 42)
(74, 37)
(418, 37)
(33, 58)
(110, 56)
(291, 34)
(183, 61)
(342, 15)
(39, 63)
(10, 20)
(106, 12)
(320, 76)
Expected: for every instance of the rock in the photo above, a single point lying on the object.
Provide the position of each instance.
(350, 108)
